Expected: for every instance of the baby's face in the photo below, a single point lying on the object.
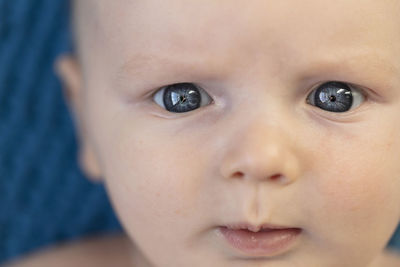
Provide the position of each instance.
(254, 130)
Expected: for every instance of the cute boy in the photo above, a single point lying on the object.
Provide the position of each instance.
(240, 133)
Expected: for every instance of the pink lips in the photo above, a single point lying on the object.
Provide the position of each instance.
(260, 241)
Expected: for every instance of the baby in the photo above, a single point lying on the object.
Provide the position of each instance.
(238, 133)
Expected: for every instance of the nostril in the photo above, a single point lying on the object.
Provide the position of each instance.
(275, 177)
(238, 174)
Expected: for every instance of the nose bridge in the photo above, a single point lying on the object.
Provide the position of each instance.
(263, 149)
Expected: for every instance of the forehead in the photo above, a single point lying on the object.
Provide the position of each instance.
(235, 31)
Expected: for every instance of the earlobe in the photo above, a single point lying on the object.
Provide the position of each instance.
(88, 163)
(69, 72)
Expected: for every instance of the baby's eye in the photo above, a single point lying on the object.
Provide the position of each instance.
(181, 97)
(335, 97)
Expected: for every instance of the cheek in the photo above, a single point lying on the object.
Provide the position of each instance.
(151, 172)
(360, 192)
(360, 189)
(156, 189)
(152, 178)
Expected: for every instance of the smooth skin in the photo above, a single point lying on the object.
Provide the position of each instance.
(258, 151)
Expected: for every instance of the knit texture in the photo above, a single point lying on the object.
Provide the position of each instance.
(44, 197)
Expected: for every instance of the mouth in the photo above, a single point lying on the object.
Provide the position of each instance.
(265, 240)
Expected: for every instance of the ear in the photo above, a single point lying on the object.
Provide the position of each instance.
(70, 74)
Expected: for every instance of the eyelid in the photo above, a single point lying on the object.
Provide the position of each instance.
(160, 91)
(361, 89)
(364, 92)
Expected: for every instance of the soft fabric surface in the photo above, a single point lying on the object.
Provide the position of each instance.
(44, 197)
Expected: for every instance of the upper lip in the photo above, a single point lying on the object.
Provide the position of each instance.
(254, 227)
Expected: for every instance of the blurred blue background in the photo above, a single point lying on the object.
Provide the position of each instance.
(44, 197)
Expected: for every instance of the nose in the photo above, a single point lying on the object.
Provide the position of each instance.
(262, 153)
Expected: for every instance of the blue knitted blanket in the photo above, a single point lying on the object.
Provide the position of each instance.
(44, 197)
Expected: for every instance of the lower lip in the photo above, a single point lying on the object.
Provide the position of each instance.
(263, 243)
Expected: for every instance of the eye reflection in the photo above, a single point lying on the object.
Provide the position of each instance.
(182, 97)
(329, 98)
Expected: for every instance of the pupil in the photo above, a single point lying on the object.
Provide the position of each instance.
(334, 96)
(181, 97)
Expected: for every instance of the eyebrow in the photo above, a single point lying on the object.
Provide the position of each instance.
(371, 66)
(371, 60)
(143, 63)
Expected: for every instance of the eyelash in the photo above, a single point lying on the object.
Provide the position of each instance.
(347, 96)
(352, 92)
(181, 97)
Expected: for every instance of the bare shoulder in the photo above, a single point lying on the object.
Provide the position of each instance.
(109, 250)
